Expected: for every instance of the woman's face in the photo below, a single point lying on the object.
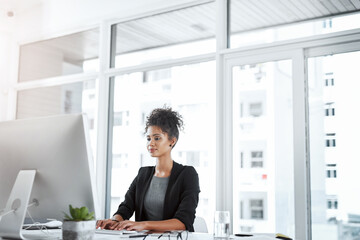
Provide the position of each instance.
(158, 143)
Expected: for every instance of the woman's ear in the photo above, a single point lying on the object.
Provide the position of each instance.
(173, 141)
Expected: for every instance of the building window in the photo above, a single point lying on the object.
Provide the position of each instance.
(121, 118)
(331, 170)
(120, 160)
(329, 109)
(241, 110)
(329, 79)
(241, 209)
(157, 75)
(257, 208)
(327, 23)
(330, 140)
(193, 158)
(329, 82)
(242, 160)
(255, 109)
(257, 160)
(331, 173)
(332, 203)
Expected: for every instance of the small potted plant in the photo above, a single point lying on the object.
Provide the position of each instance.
(80, 225)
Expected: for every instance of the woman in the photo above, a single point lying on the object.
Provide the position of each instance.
(163, 197)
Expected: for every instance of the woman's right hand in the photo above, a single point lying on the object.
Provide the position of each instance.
(106, 223)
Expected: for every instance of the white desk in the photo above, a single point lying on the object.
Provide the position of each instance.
(56, 234)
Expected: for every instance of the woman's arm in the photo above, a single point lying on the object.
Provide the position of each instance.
(127, 207)
(165, 225)
(189, 199)
(109, 223)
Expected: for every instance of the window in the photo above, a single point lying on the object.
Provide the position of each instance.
(175, 34)
(331, 170)
(330, 140)
(329, 176)
(71, 54)
(241, 159)
(329, 79)
(254, 193)
(329, 204)
(257, 208)
(327, 23)
(257, 159)
(255, 109)
(331, 173)
(193, 158)
(120, 160)
(61, 99)
(332, 204)
(133, 100)
(157, 75)
(188, 88)
(329, 109)
(252, 23)
(159, 62)
(121, 118)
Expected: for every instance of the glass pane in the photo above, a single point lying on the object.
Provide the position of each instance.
(135, 96)
(64, 99)
(71, 54)
(263, 195)
(252, 22)
(334, 84)
(175, 34)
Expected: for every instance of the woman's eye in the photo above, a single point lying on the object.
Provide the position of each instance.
(157, 138)
(148, 139)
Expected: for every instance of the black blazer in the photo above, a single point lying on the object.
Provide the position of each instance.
(181, 198)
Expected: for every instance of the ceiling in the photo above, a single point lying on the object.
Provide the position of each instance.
(193, 23)
(9, 9)
(16, 6)
(198, 22)
(250, 15)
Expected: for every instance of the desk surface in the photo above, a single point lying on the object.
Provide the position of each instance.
(56, 234)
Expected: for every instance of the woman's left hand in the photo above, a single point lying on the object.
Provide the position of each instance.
(130, 226)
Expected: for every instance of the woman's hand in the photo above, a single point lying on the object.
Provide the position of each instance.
(106, 224)
(129, 225)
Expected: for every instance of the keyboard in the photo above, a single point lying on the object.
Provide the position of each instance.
(114, 232)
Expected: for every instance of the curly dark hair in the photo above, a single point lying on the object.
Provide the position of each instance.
(168, 120)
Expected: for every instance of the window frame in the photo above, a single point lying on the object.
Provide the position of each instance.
(299, 51)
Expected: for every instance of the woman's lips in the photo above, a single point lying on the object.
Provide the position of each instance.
(151, 150)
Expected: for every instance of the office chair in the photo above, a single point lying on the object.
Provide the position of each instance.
(200, 225)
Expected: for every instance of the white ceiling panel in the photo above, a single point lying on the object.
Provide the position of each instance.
(356, 3)
(184, 25)
(199, 22)
(249, 15)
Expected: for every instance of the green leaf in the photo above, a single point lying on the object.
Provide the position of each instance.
(67, 217)
(79, 214)
(83, 212)
(90, 216)
(72, 211)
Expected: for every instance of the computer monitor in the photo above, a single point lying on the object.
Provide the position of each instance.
(58, 148)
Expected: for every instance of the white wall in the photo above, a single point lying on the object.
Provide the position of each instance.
(6, 57)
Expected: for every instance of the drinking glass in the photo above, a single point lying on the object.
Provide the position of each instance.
(222, 224)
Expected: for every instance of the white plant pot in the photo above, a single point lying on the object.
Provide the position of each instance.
(83, 230)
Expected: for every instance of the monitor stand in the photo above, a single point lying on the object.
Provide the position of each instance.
(14, 213)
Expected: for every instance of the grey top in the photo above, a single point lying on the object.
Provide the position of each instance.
(154, 198)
